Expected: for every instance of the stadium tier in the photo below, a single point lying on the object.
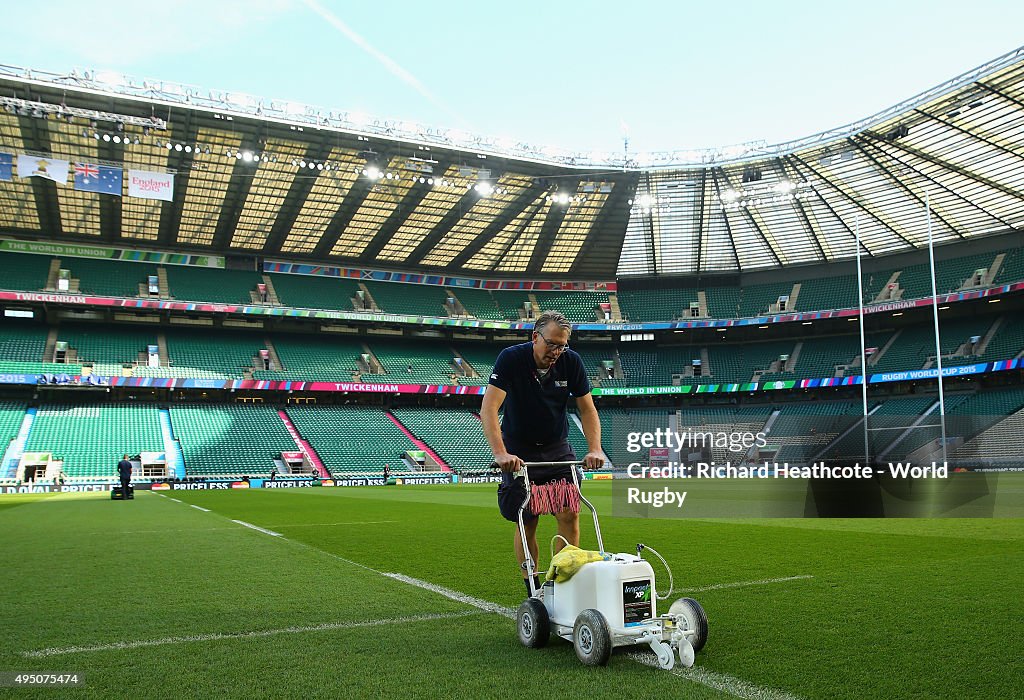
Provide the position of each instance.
(412, 299)
(479, 303)
(315, 292)
(322, 358)
(454, 434)
(11, 415)
(91, 438)
(353, 438)
(426, 362)
(190, 283)
(109, 278)
(187, 283)
(639, 306)
(209, 354)
(230, 439)
(801, 430)
(22, 342)
(108, 348)
(23, 272)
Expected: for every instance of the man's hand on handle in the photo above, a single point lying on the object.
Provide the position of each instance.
(507, 462)
(593, 460)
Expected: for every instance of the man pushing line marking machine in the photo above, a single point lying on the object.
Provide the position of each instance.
(599, 600)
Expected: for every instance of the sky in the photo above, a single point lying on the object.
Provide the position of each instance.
(579, 76)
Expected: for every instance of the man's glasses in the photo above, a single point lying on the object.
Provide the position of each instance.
(557, 347)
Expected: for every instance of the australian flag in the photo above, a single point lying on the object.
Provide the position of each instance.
(103, 179)
(5, 166)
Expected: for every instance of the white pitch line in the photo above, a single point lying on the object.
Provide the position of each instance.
(256, 527)
(722, 682)
(58, 651)
(741, 584)
(175, 500)
(454, 595)
(718, 681)
(205, 510)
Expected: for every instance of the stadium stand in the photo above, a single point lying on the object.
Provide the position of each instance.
(412, 362)
(314, 358)
(230, 439)
(479, 303)
(454, 434)
(20, 271)
(801, 430)
(11, 415)
(188, 283)
(352, 439)
(578, 307)
(208, 354)
(314, 292)
(22, 342)
(642, 306)
(91, 438)
(411, 299)
(107, 277)
(107, 347)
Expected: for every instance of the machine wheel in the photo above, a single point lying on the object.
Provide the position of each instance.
(533, 624)
(696, 620)
(591, 638)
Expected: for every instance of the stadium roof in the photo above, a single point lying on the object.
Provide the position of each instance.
(281, 180)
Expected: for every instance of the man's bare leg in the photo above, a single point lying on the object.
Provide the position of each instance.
(569, 528)
(531, 538)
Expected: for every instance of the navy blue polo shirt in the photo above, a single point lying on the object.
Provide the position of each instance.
(535, 407)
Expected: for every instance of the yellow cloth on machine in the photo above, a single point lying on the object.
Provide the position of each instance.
(567, 562)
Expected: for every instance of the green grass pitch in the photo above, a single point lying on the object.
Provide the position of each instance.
(154, 598)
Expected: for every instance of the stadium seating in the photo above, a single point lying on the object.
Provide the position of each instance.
(107, 277)
(839, 292)
(618, 423)
(107, 346)
(885, 425)
(91, 438)
(187, 283)
(11, 415)
(411, 299)
(22, 342)
(315, 292)
(652, 305)
(320, 358)
(230, 439)
(21, 271)
(800, 430)
(479, 303)
(417, 362)
(209, 353)
(352, 438)
(511, 302)
(578, 307)
(454, 434)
